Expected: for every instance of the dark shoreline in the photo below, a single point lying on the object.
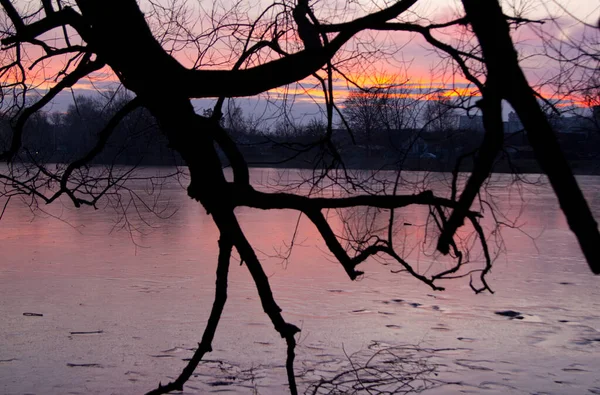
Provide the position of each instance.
(502, 166)
(527, 166)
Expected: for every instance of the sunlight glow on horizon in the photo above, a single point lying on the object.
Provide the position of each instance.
(417, 72)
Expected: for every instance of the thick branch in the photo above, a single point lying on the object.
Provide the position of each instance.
(491, 145)
(12, 14)
(312, 207)
(349, 264)
(125, 42)
(227, 223)
(292, 68)
(238, 164)
(281, 200)
(48, 8)
(491, 28)
(60, 51)
(307, 32)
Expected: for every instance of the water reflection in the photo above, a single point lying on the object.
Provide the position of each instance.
(149, 293)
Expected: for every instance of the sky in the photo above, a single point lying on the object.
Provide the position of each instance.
(403, 57)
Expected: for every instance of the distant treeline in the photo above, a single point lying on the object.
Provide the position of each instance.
(411, 149)
(63, 137)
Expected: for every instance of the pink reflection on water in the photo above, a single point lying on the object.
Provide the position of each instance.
(155, 296)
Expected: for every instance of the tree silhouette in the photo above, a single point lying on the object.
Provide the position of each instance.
(376, 109)
(284, 44)
(439, 113)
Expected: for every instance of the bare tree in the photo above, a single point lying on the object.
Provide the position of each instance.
(233, 118)
(439, 113)
(370, 110)
(365, 112)
(238, 54)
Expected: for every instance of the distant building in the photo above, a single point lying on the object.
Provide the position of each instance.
(572, 124)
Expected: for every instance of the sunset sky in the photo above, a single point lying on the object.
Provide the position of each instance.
(413, 62)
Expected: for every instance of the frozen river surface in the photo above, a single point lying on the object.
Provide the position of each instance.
(116, 311)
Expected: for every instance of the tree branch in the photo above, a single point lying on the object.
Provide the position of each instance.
(227, 223)
(492, 31)
(103, 136)
(27, 33)
(281, 200)
(13, 15)
(84, 68)
(205, 346)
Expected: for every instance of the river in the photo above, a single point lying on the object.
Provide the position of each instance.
(117, 305)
